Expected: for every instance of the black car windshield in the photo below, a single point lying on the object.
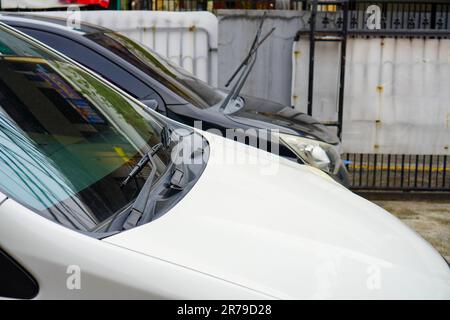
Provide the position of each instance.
(67, 140)
(178, 80)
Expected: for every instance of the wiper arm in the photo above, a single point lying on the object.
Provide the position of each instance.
(141, 164)
(250, 53)
(143, 208)
(234, 92)
(253, 52)
(142, 201)
(165, 141)
(140, 204)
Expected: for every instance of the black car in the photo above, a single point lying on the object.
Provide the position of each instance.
(174, 92)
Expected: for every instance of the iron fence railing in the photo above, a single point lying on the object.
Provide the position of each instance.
(404, 15)
(399, 172)
(395, 17)
(401, 13)
(198, 5)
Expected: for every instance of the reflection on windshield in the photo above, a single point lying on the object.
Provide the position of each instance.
(173, 77)
(66, 139)
(27, 172)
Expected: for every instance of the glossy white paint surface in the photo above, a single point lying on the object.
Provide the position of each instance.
(47, 250)
(294, 234)
(238, 234)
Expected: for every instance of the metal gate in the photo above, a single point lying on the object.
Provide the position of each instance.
(388, 26)
(399, 172)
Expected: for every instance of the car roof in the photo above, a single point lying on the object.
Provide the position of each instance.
(50, 22)
(59, 26)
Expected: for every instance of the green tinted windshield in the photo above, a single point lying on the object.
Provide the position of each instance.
(67, 140)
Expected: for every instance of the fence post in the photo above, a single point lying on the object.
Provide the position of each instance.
(312, 48)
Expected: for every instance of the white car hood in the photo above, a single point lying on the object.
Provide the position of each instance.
(293, 234)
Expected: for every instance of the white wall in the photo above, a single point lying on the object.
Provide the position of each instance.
(187, 38)
(397, 93)
(272, 73)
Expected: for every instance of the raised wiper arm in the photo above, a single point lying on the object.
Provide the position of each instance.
(234, 92)
(250, 66)
(250, 52)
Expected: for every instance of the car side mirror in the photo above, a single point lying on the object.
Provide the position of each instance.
(151, 104)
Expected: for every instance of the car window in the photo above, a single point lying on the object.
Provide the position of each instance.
(16, 282)
(176, 79)
(94, 61)
(67, 140)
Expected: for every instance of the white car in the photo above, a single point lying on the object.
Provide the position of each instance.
(100, 197)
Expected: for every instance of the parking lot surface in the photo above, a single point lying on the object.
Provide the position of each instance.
(430, 219)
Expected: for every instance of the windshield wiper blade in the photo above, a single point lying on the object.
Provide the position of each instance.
(165, 141)
(234, 92)
(141, 164)
(140, 204)
(250, 52)
(144, 208)
(142, 201)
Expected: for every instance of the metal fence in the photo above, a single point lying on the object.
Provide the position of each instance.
(410, 19)
(399, 172)
(167, 5)
(199, 5)
(401, 17)
(412, 15)
(400, 13)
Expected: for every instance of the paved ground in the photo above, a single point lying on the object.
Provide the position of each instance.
(428, 218)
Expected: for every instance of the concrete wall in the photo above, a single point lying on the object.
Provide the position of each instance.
(272, 73)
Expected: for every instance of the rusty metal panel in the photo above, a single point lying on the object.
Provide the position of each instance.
(397, 93)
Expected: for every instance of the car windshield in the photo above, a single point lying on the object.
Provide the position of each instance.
(178, 80)
(67, 140)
